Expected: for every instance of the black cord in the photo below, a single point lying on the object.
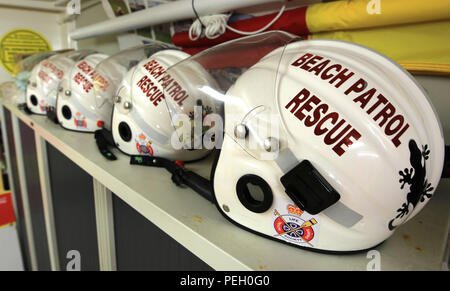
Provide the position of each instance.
(198, 17)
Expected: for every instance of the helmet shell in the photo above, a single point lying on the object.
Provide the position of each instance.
(141, 123)
(44, 80)
(76, 108)
(363, 123)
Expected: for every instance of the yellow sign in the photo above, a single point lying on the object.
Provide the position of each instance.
(20, 41)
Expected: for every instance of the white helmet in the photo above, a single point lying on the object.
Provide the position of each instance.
(45, 77)
(112, 71)
(327, 145)
(76, 98)
(23, 70)
(141, 124)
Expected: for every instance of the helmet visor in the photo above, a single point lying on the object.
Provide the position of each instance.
(53, 70)
(27, 64)
(253, 123)
(78, 84)
(110, 77)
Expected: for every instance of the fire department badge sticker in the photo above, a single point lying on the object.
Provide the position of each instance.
(295, 226)
(144, 145)
(43, 106)
(80, 120)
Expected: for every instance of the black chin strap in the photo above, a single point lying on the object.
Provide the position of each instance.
(104, 139)
(180, 176)
(51, 114)
(24, 107)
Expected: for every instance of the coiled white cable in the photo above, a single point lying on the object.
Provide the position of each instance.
(216, 25)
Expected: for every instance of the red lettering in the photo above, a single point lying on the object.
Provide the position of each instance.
(346, 141)
(388, 130)
(307, 106)
(334, 116)
(396, 140)
(297, 101)
(342, 77)
(365, 97)
(301, 60)
(141, 81)
(311, 61)
(316, 114)
(158, 98)
(318, 68)
(387, 112)
(381, 100)
(357, 87)
(326, 76)
(329, 140)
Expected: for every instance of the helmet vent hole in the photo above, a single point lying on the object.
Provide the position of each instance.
(66, 112)
(125, 131)
(254, 193)
(33, 100)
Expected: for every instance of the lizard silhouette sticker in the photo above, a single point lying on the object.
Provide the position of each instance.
(415, 179)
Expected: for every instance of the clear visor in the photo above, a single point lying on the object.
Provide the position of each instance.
(78, 85)
(112, 71)
(54, 69)
(27, 63)
(24, 68)
(252, 121)
(141, 95)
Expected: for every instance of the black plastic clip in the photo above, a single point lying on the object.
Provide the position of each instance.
(51, 114)
(25, 108)
(103, 138)
(180, 176)
(308, 188)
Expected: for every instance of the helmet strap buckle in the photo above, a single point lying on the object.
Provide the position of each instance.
(308, 188)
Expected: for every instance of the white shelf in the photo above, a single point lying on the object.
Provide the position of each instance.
(197, 225)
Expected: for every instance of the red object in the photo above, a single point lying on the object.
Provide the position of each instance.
(307, 233)
(100, 123)
(6, 209)
(179, 163)
(238, 56)
(150, 150)
(194, 50)
(138, 147)
(242, 54)
(293, 21)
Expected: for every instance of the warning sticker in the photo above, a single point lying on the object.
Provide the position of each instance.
(20, 41)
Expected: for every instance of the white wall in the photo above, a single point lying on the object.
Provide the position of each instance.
(437, 88)
(105, 44)
(46, 23)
